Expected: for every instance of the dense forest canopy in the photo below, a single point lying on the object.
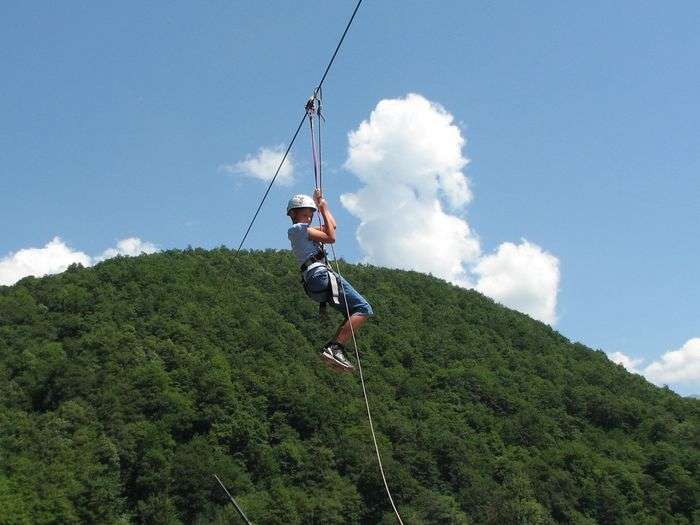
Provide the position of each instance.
(126, 386)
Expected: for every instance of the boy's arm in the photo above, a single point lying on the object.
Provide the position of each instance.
(327, 232)
(330, 220)
(320, 235)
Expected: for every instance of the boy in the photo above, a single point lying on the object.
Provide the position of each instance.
(320, 283)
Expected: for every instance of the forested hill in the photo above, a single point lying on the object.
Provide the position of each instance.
(125, 386)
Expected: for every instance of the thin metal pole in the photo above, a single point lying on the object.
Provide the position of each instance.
(239, 509)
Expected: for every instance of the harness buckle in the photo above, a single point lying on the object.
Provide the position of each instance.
(318, 256)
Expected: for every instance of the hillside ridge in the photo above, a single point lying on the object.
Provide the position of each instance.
(125, 386)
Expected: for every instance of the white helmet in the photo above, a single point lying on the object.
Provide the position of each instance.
(300, 201)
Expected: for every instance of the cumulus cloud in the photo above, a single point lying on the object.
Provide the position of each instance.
(130, 247)
(523, 277)
(56, 256)
(677, 367)
(680, 366)
(263, 166)
(425, 239)
(411, 143)
(630, 363)
(409, 157)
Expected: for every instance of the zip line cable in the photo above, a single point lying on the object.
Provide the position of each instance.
(301, 123)
(269, 187)
(337, 48)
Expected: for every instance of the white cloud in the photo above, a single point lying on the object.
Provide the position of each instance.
(411, 143)
(263, 166)
(630, 363)
(130, 247)
(409, 157)
(56, 256)
(523, 277)
(678, 366)
(425, 238)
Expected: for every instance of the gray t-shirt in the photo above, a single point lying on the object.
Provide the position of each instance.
(302, 246)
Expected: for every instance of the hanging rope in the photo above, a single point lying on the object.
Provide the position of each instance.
(320, 121)
(364, 393)
(313, 110)
(317, 160)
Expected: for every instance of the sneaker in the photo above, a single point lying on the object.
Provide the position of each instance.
(333, 354)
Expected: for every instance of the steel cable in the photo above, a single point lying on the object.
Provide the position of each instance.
(301, 123)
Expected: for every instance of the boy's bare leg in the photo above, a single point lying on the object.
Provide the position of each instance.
(345, 331)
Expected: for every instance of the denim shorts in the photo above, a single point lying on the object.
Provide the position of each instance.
(317, 288)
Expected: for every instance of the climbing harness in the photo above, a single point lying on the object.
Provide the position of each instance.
(332, 291)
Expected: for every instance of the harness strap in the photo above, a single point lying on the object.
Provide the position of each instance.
(335, 296)
(319, 259)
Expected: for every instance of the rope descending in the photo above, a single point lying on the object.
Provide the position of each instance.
(364, 393)
(313, 108)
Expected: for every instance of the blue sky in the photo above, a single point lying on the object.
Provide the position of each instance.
(581, 122)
